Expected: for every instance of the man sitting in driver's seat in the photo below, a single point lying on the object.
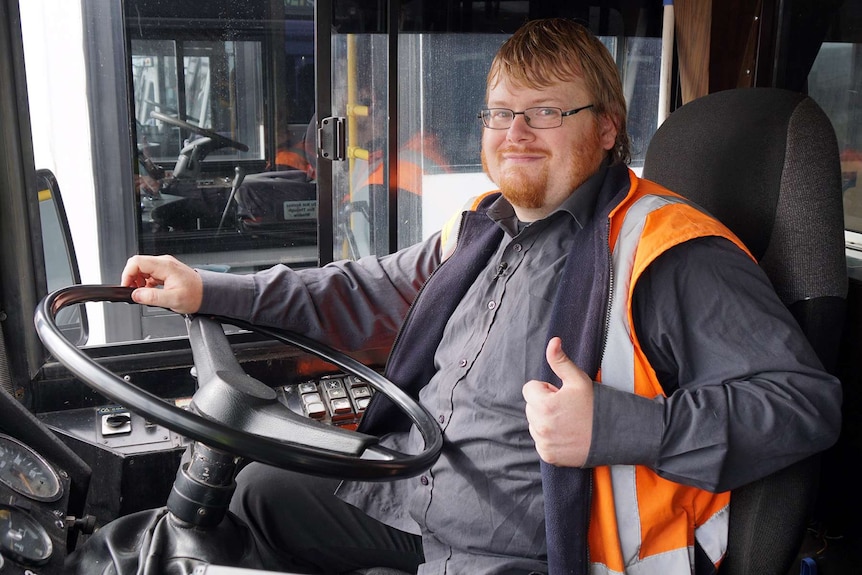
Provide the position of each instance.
(591, 425)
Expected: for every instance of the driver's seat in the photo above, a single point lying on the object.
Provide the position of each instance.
(765, 162)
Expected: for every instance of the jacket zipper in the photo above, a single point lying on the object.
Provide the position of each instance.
(607, 323)
(605, 329)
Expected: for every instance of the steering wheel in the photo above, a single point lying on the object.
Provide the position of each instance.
(238, 414)
(219, 141)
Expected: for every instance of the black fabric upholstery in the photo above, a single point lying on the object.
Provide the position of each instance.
(765, 162)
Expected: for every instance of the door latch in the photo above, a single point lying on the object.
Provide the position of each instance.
(332, 138)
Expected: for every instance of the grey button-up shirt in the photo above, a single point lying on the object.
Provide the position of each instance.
(479, 508)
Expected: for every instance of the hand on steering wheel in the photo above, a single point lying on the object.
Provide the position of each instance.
(236, 413)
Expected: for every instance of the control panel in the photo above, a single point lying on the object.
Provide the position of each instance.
(334, 399)
(337, 399)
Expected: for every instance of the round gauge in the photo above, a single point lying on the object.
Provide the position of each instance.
(22, 539)
(27, 472)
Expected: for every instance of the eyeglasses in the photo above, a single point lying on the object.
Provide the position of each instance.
(540, 118)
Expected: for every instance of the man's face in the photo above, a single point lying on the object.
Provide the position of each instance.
(537, 169)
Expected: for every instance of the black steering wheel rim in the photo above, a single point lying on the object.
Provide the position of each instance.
(276, 452)
(221, 141)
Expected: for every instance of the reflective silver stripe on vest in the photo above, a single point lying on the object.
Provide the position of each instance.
(678, 562)
(618, 372)
(712, 535)
(618, 361)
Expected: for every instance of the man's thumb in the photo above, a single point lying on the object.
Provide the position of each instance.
(146, 296)
(560, 363)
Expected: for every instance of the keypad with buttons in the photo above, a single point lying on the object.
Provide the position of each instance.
(337, 399)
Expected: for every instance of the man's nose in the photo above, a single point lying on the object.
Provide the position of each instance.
(519, 130)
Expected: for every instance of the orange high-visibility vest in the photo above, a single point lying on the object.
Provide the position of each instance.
(419, 156)
(293, 158)
(642, 523)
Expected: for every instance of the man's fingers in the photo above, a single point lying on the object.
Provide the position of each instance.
(141, 271)
(176, 300)
(163, 281)
(560, 419)
(534, 390)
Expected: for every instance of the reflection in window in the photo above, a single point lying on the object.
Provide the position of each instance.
(360, 184)
(218, 185)
(835, 85)
(220, 89)
(441, 85)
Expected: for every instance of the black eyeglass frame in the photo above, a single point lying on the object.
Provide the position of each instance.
(563, 114)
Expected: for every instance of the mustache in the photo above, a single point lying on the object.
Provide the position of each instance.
(521, 150)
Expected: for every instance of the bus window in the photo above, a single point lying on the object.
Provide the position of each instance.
(223, 177)
(211, 82)
(835, 82)
(199, 121)
(439, 71)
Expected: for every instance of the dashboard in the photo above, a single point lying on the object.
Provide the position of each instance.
(133, 463)
(33, 510)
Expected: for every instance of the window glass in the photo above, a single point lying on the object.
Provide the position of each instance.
(176, 127)
(218, 95)
(441, 83)
(441, 88)
(441, 64)
(209, 192)
(360, 184)
(835, 83)
(223, 97)
(189, 128)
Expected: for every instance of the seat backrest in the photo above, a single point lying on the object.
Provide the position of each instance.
(765, 162)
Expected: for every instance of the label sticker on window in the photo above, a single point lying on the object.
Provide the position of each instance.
(300, 210)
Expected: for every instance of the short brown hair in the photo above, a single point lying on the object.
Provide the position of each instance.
(550, 50)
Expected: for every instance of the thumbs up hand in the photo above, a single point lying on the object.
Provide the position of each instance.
(561, 419)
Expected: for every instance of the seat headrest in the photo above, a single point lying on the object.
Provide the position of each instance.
(765, 162)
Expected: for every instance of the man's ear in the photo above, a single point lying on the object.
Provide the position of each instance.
(607, 131)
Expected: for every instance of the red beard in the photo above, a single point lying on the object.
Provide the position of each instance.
(522, 186)
(526, 187)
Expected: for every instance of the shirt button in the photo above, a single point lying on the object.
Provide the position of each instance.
(423, 480)
(492, 304)
(442, 419)
(517, 247)
(463, 363)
